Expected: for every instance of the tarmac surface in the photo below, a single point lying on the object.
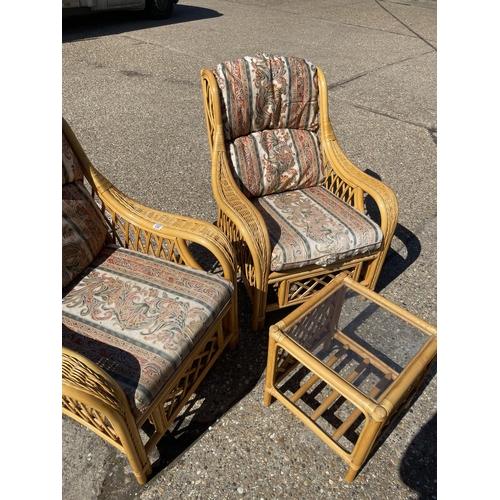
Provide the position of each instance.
(132, 94)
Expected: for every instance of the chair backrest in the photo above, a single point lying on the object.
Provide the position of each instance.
(83, 225)
(270, 118)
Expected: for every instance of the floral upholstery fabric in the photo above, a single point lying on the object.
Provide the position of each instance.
(313, 226)
(138, 317)
(278, 95)
(273, 161)
(83, 226)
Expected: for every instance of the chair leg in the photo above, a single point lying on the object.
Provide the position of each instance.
(132, 446)
(142, 476)
(372, 272)
(259, 303)
(92, 398)
(351, 474)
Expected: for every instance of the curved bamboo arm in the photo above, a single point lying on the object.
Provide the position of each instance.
(180, 229)
(356, 181)
(94, 399)
(158, 224)
(362, 183)
(246, 218)
(249, 225)
(81, 374)
(147, 230)
(382, 194)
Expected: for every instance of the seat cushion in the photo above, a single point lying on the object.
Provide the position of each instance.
(138, 317)
(313, 226)
(273, 161)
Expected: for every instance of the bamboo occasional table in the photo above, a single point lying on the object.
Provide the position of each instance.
(346, 363)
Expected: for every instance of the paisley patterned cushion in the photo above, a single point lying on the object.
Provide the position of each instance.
(83, 230)
(267, 92)
(138, 317)
(273, 161)
(71, 168)
(270, 117)
(313, 226)
(83, 225)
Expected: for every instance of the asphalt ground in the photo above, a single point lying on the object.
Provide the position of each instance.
(131, 92)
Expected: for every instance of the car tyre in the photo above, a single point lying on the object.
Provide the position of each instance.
(159, 9)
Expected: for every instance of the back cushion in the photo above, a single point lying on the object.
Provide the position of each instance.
(71, 167)
(83, 225)
(270, 118)
(267, 92)
(273, 161)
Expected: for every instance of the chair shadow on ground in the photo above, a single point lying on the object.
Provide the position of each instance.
(418, 467)
(82, 25)
(395, 263)
(233, 376)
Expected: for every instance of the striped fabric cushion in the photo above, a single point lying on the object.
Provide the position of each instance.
(273, 161)
(270, 118)
(83, 225)
(267, 92)
(138, 317)
(313, 226)
(71, 168)
(83, 230)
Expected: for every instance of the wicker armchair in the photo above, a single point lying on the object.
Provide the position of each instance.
(142, 321)
(290, 201)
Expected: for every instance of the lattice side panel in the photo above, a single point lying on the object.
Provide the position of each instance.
(339, 187)
(92, 417)
(304, 288)
(128, 235)
(243, 255)
(231, 231)
(301, 289)
(136, 238)
(179, 395)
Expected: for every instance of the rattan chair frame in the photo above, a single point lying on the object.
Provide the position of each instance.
(89, 395)
(246, 229)
(385, 401)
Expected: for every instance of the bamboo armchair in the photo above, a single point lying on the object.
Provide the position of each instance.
(268, 129)
(143, 323)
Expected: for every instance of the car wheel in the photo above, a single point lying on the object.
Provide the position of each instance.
(159, 9)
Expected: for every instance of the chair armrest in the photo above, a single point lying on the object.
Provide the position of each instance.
(80, 375)
(147, 230)
(347, 181)
(141, 228)
(238, 218)
(351, 184)
(245, 221)
(93, 398)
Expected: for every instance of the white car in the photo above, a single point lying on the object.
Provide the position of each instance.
(157, 9)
